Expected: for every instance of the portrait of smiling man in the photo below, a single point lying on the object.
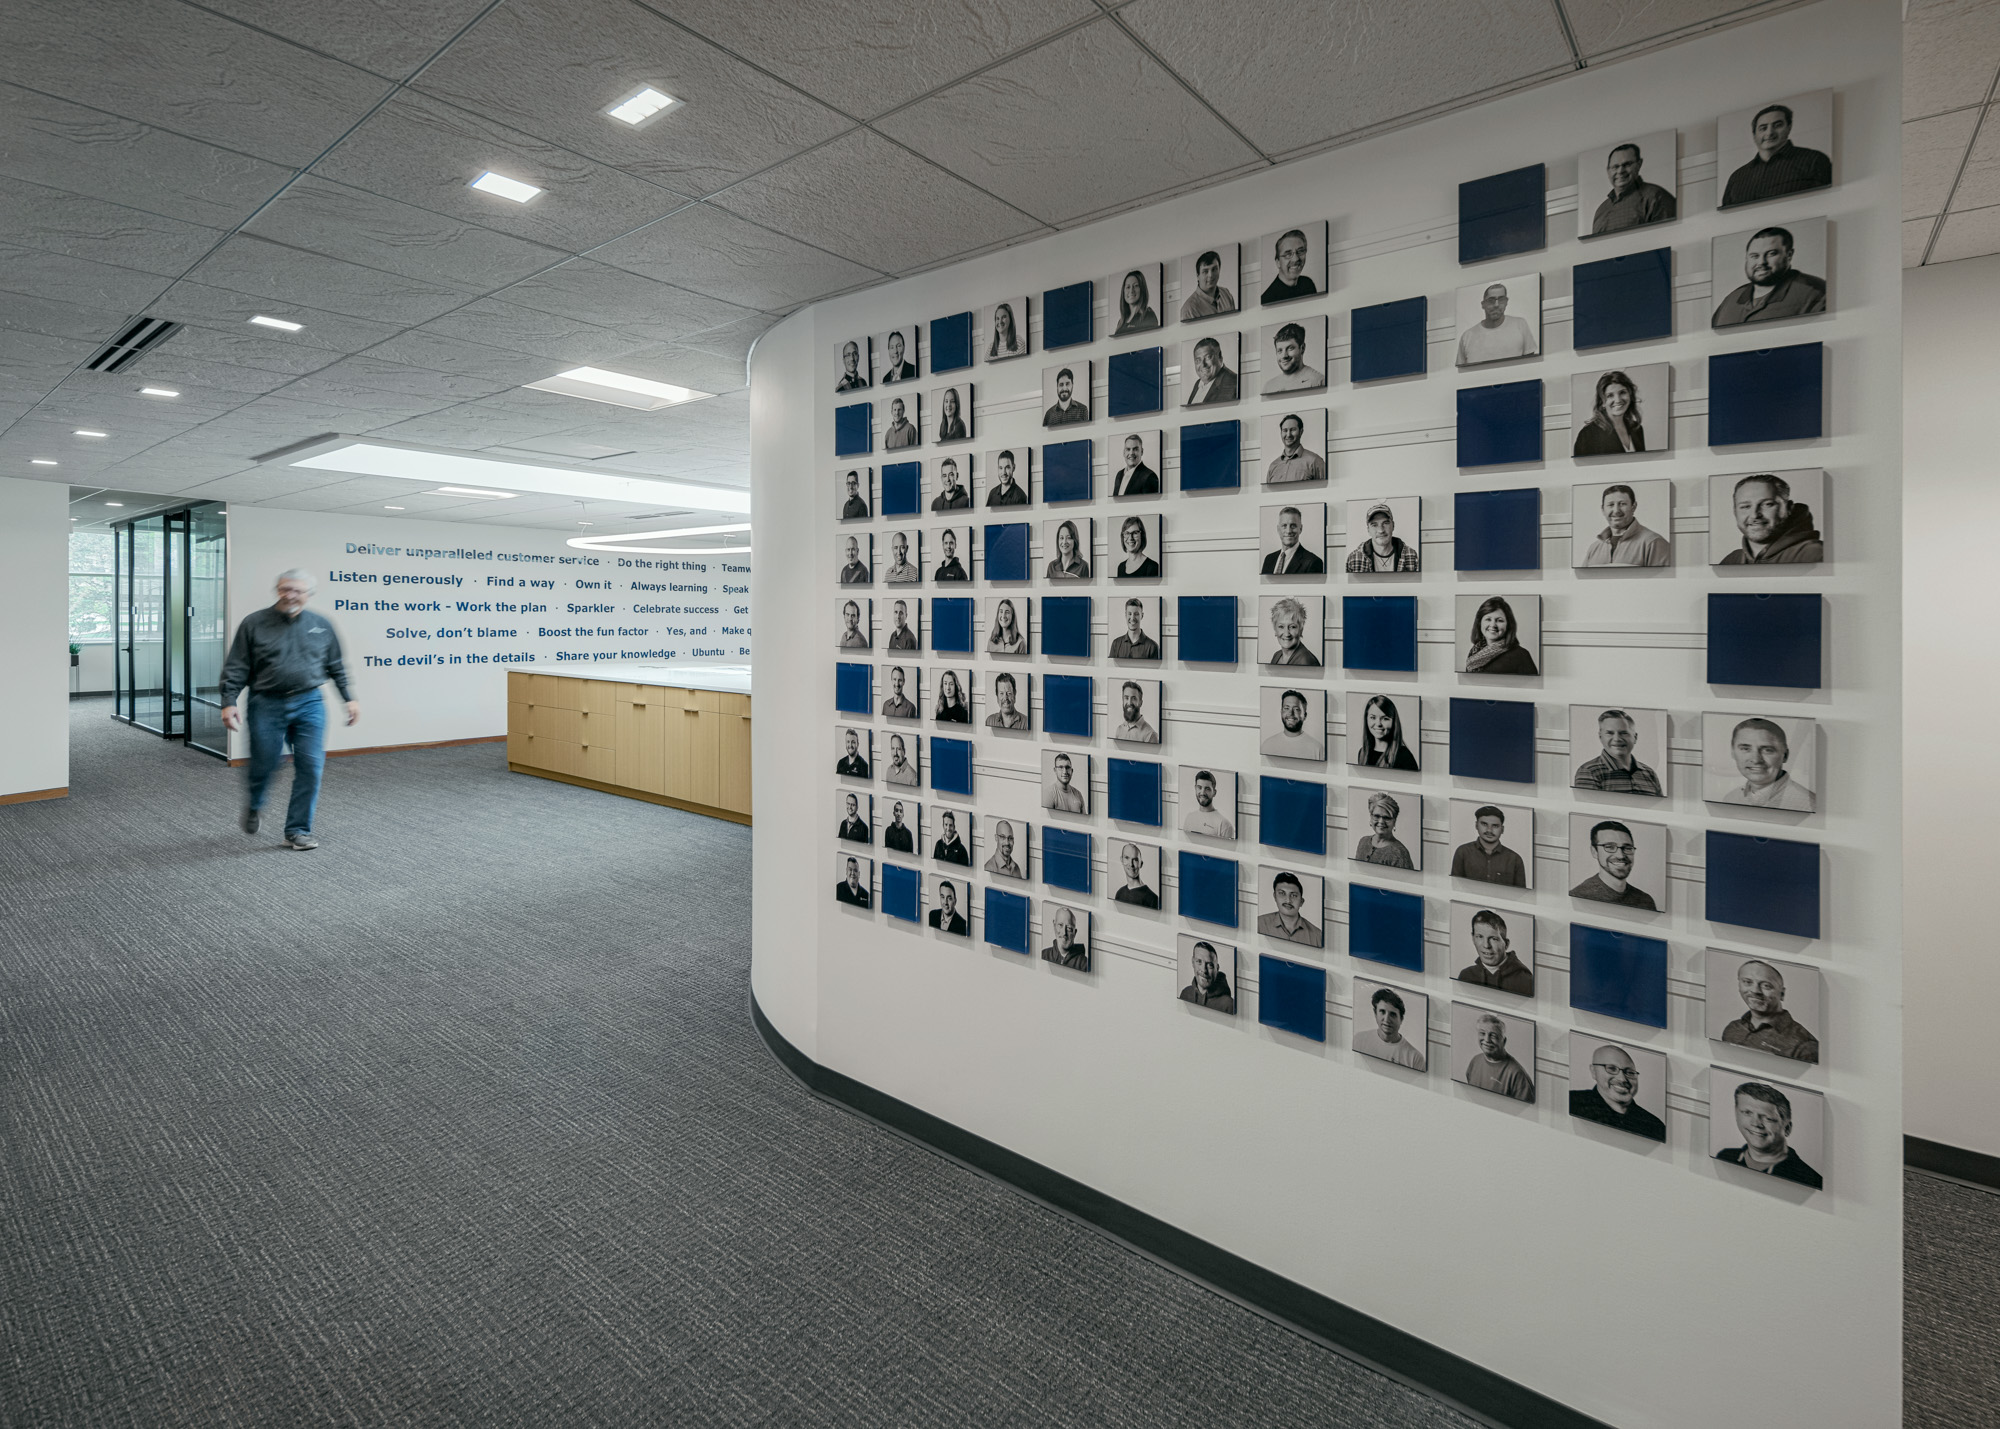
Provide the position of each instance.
(1615, 849)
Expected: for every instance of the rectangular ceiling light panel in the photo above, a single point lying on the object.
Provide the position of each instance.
(597, 384)
(488, 475)
(500, 184)
(648, 103)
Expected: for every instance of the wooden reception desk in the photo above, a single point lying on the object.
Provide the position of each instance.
(669, 734)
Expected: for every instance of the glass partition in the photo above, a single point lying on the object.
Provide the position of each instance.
(170, 622)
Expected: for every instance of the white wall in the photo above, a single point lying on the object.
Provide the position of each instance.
(96, 673)
(1951, 504)
(34, 636)
(1622, 1281)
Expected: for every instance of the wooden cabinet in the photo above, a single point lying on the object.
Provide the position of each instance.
(688, 748)
(734, 763)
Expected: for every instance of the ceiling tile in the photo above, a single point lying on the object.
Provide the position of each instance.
(59, 278)
(258, 484)
(229, 313)
(28, 312)
(1290, 76)
(718, 253)
(1979, 185)
(1604, 26)
(389, 37)
(565, 342)
(421, 348)
(868, 199)
(240, 344)
(1083, 124)
(495, 421)
(594, 292)
(1949, 52)
(38, 217)
(285, 275)
(357, 402)
(182, 68)
(1916, 238)
(365, 370)
(1971, 233)
(170, 365)
(1933, 149)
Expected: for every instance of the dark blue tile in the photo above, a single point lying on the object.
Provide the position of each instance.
(951, 342)
(1770, 395)
(1765, 883)
(1066, 626)
(1066, 471)
(1625, 299)
(1502, 214)
(854, 429)
(1211, 456)
(1066, 704)
(1138, 382)
(903, 488)
(1067, 316)
(951, 765)
(1291, 997)
(1007, 920)
(1291, 813)
(903, 893)
(1497, 530)
(952, 624)
(851, 688)
(1493, 739)
(1378, 632)
(1761, 638)
(1207, 888)
(1618, 974)
(1134, 787)
(1389, 340)
(1208, 628)
(1007, 551)
(1385, 926)
(1066, 858)
(1500, 424)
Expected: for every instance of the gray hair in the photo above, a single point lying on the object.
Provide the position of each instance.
(299, 574)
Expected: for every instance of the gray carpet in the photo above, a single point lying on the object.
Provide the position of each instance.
(1951, 1304)
(461, 1120)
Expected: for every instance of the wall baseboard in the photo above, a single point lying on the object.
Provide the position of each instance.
(1382, 1347)
(624, 793)
(1953, 1161)
(392, 748)
(29, 796)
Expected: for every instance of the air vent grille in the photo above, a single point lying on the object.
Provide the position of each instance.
(134, 341)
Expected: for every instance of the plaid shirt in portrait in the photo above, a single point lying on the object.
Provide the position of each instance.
(1601, 773)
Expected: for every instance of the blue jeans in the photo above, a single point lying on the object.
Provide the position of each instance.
(300, 721)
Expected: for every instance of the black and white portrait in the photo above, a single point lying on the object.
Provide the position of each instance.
(906, 555)
(1618, 1084)
(1135, 872)
(1294, 356)
(1493, 948)
(1006, 620)
(1291, 539)
(905, 623)
(1498, 635)
(1621, 524)
(1385, 536)
(1764, 1004)
(1384, 828)
(1493, 843)
(1619, 861)
(1782, 268)
(1066, 781)
(902, 764)
(1293, 444)
(1618, 749)
(1778, 147)
(855, 556)
(951, 413)
(853, 751)
(1630, 182)
(1006, 848)
(1138, 547)
(952, 701)
(1068, 542)
(1007, 698)
(851, 363)
(1392, 1024)
(1291, 722)
(854, 623)
(1138, 626)
(1210, 280)
(1294, 263)
(1208, 801)
(1382, 731)
(1291, 907)
(1209, 367)
(952, 552)
(853, 880)
(951, 905)
(951, 482)
(1005, 330)
(857, 817)
(1136, 297)
(899, 835)
(1500, 319)
(1009, 474)
(1767, 518)
(904, 682)
(854, 493)
(1609, 410)
(1493, 1051)
(950, 835)
(1760, 761)
(1138, 457)
(1207, 973)
(896, 354)
(1767, 1128)
(1135, 715)
(902, 427)
(1066, 936)
(1066, 393)
(1291, 630)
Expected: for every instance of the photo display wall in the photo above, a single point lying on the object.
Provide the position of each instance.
(1237, 624)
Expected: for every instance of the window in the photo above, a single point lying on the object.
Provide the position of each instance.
(90, 571)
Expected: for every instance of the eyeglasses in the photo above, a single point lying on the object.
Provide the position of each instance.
(1617, 848)
(1616, 1074)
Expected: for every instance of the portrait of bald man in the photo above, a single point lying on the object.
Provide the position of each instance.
(1612, 1099)
(1762, 988)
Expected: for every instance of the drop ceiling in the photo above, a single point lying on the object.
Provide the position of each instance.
(210, 163)
(1951, 132)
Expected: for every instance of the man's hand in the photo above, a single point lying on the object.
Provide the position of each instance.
(353, 711)
(232, 717)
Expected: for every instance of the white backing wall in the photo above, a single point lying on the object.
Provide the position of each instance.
(34, 636)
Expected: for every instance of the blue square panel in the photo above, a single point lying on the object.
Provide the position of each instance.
(952, 624)
(951, 343)
(1291, 813)
(903, 488)
(1066, 858)
(1378, 632)
(1135, 791)
(854, 429)
(1502, 214)
(1007, 551)
(1389, 340)
(1618, 974)
(1291, 996)
(1066, 471)
(1208, 628)
(1493, 739)
(1066, 625)
(1006, 916)
(951, 765)
(1500, 424)
(852, 693)
(1770, 395)
(1765, 883)
(1138, 382)
(1067, 315)
(1761, 638)
(1625, 299)
(1212, 456)
(1066, 704)
(903, 893)
(1497, 530)
(1208, 888)
(1385, 926)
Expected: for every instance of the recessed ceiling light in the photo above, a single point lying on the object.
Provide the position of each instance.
(505, 187)
(586, 523)
(40, 461)
(159, 392)
(392, 508)
(114, 503)
(279, 323)
(612, 543)
(648, 103)
(474, 491)
(596, 384)
(82, 432)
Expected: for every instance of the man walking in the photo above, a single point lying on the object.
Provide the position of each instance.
(282, 655)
